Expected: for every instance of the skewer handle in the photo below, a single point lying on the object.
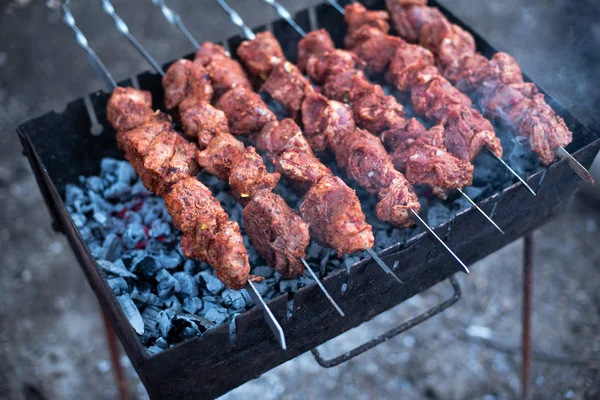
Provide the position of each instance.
(237, 20)
(269, 317)
(124, 29)
(285, 14)
(174, 19)
(82, 41)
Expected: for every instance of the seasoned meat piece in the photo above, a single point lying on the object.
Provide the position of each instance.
(275, 136)
(326, 122)
(396, 201)
(220, 155)
(207, 232)
(245, 110)
(168, 159)
(363, 34)
(186, 84)
(225, 73)
(373, 110)
(203, 122)
(261, 55)
(313, 113)
(437, 99)
(438, 169)
(331, 63)
(249, 176)
(409, 16)
(365, 160)
(299, 165)
(128, 108)
(447, 41)
(546, 130)
(136, 142)
(314, 43)
(357, 16)
(278, 234)
(415, 136)
(506, 68)
(335, 218)
(467, 132)
(378, 52)
(338, 86)
(288, 86)
(411, 66)
(469, 73)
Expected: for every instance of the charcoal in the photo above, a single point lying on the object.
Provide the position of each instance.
(169, 259)
(100, 215)
(159, 228)
(234, 298)
(161, 342)
(139, 189)
(94, 183)
(437, 214)
(349, 261)
(132, 313)
(185, 326)
(210, 282)
(263, 270)
(155, 247)
(143, 294)
(191, 267)
(192, 305)
(152, 210)
(115, 268)
(173, 304)
(164, 322)
(261, 287)
(117, 190)
(151, 318)
(314, 250)
(108, 166)
(118, 285)
(153, 350)
(73, 193)
(79, 220)
(125, 173)
(144, 265)
(167, 285)
(290, 285)
(111, 248)
(189, 287)
(216, 314)
(134, 234)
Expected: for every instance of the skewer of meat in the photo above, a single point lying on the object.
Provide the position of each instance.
(271, 56)
(498, 82)
(275, 230)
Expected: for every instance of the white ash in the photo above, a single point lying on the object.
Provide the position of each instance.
(169, 299)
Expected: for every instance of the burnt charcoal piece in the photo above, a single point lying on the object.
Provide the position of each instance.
(167, 285)
(145, 265)
(210, 282)
(192, 305)
(132, 313)
(188, 285)
(116, 268)
(118, 285)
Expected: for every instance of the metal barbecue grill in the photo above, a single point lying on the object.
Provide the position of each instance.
(63, 146)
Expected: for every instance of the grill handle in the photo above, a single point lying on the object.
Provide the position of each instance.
(332, 362)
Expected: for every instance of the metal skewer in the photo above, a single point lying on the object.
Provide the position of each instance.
(99, 66)
(153, 62)
(415, 215)
(175, 19)
(237, 20)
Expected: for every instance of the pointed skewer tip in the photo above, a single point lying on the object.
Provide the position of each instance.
(269, 317)
(383, 265)
(322, 287)
(575, 165)
(480, 210)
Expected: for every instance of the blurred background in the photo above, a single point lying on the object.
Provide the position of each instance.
(52, 342)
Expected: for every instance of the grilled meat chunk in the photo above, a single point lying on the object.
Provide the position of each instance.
(411, 66)
(186, 84)
(357, 16)
(128, 108)
(320, 67)
(261, 55)
(277, 233)
(207, 232)
(378, 52)
(220, 155)
(288, 86)
(409, 16)
(203, 122)
(314, 43)
(225, 73)
(326, 122)
(249, 176)
(335, 218)
(438, 99)
(246, 112)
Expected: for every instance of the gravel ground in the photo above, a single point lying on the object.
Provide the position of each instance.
(51, 334)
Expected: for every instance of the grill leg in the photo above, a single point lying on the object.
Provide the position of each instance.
(115, 355)
(526, 328)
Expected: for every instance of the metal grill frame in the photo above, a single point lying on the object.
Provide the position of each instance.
(59, 147)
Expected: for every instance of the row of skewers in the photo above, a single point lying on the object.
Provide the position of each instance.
(213, 101)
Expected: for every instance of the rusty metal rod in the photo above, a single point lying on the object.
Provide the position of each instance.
(115, 355)
(526, 314)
